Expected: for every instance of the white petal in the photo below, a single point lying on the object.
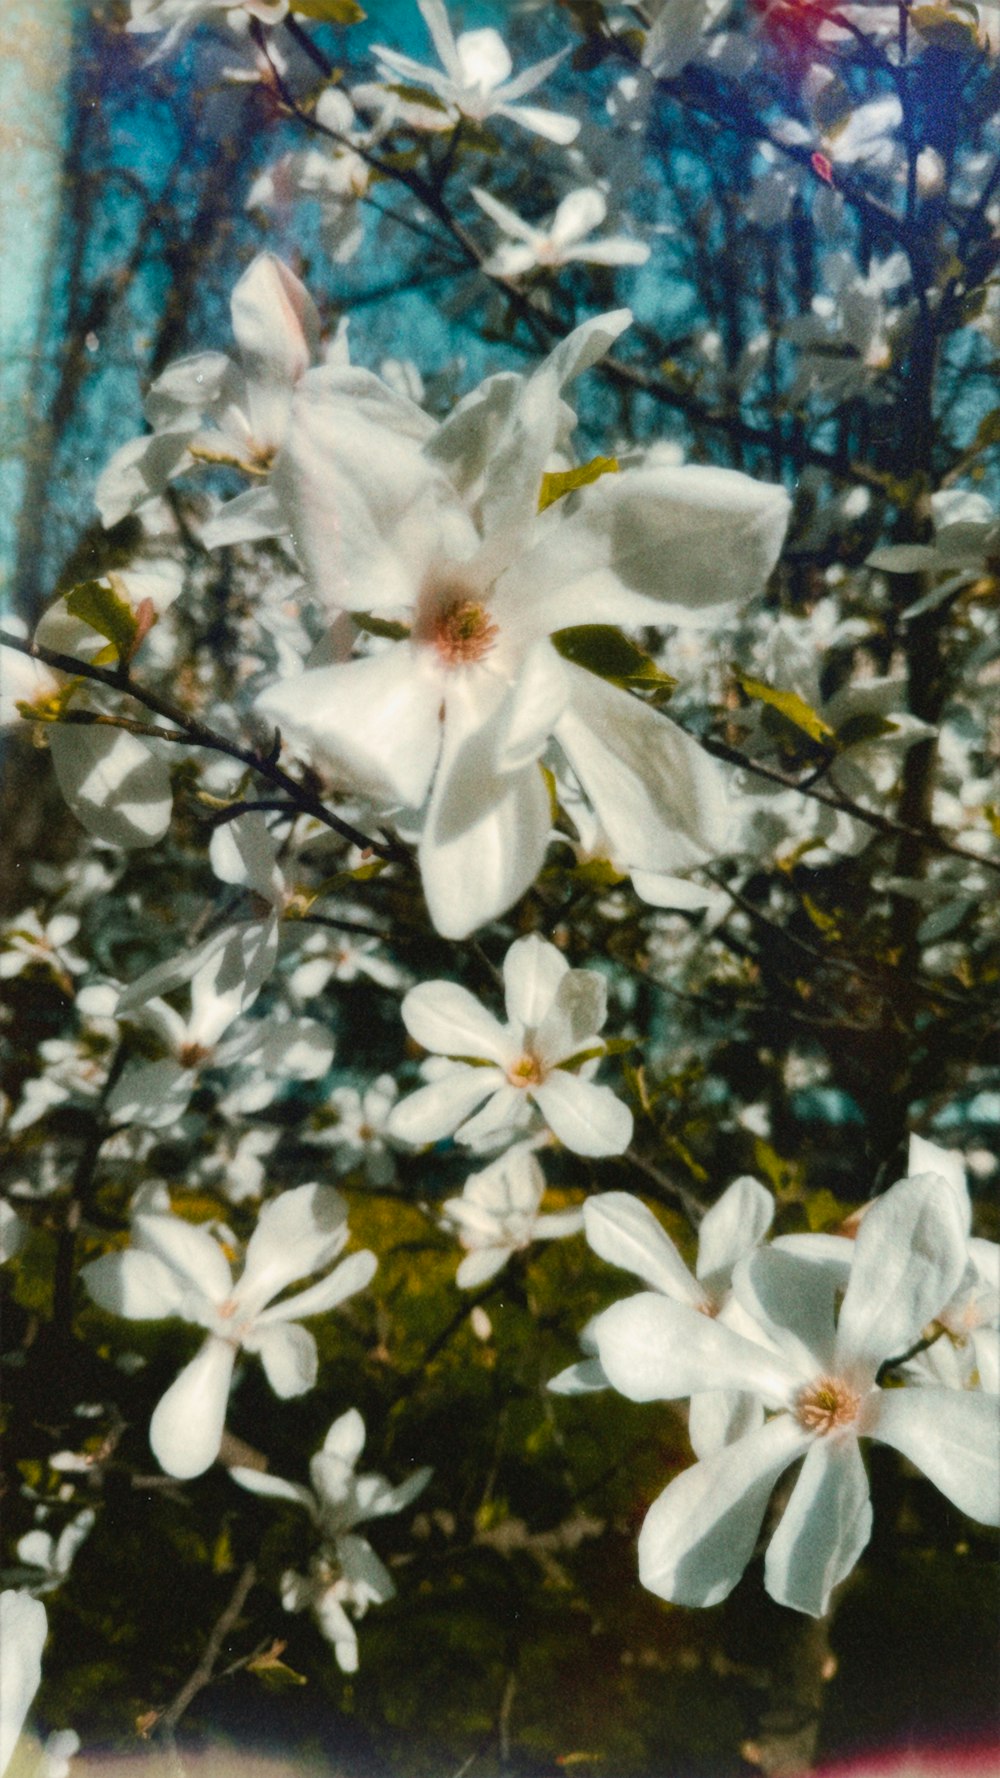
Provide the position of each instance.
(243, 852)
(435, 16)
(823, 1529)
(587, 1119)
(623, 1230)
(437, 1110)
(585, 1378)
(721, 1416)
(654, 1349)
(346, 1438)
(505, 1111)
(246, 518)
(153, 1094)
(272, 1487)
(188, 1250)
(734, 1225)
(352, 1275)
(140, 469)
(532, 972)
(113, 782)
(699, 1535)
(289, 1356)
(557, 1223)
(574, 1019)
(504, 217)
(136, 1285)
(909, 1257)
(338, 1630)
(23, 1629)
(278, 332)
(297, 1233)
(659, 797)
(953, 1436)
(794, 1300)
(446, 1019)
(483, 58)
(362, 1568)
(531, 710)
(481, 1265)
(930, 1157)
(186, 1429)
(485, 835)
(616, 250)
(577, 215)
(554, 126)
(373, 722)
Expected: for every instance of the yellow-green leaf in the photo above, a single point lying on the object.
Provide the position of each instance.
(945, 28)
(96, 603)
(333, 12)
(604, 650)
(562, 481)
(379, 626)
(789, 705)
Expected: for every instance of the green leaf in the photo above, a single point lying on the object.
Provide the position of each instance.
(379, 626)
(865, 726)
(945, 28)
(417, 95)
(334, 12)
(789, 705)
(604, 650)
(562, 481)
(96, 603)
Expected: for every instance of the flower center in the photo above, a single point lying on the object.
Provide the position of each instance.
(525, 1072)
(192, 1055)
(826, 1405)
(463, 632)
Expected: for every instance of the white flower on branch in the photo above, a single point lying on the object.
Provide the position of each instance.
(174, 1268)
(498, 1214)
(434, 535)
(177, 16)
(542, 1061)
(566, 237)
(967, 1352)
(208, 408)
(346, 1574)
(357, 1130)
(476, 81)
(48, 1559)
(817, 1380)
(623, 1230)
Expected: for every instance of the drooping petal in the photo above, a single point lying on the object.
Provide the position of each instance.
(654, 1349)
(136, 1285)
(297, 1233)
(289, 1356)
(734, 1225)
(352, 1275)
(186, 1430)
(114, 782)
(659, 797)
(447, 1020)
(437, 1110)
(623, 1230)
(272, 1487)
(189, 1250)
(336, 1626)
(485, 833)
(373, 722)
(477, 1267)
(909, 1257)
(587, 1119)
(23, 1629)
(823, 1529)
(952, 1435)
(698, 1537)
(532, 972)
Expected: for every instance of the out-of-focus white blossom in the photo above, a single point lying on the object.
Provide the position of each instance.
(498, 1214)
(563, 240)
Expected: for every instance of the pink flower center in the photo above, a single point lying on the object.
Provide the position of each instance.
(463, 632)
(525, 1072)
(826, 1405)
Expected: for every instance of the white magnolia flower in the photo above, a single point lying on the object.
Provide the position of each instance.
(967, 1353)
(346, 1574)
(476, 80)
(13, 1232)
(436, 531)
(208, 408)
(818, 1381)
(498, 1215)
(175, 1268)
(177, 16)
(966, 540)
(564, 239)
(543, 1059)
(335, 173)
(49, 1559)
(26, 942)
(23, 1629)
(623, 1230)
(358, 1134)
